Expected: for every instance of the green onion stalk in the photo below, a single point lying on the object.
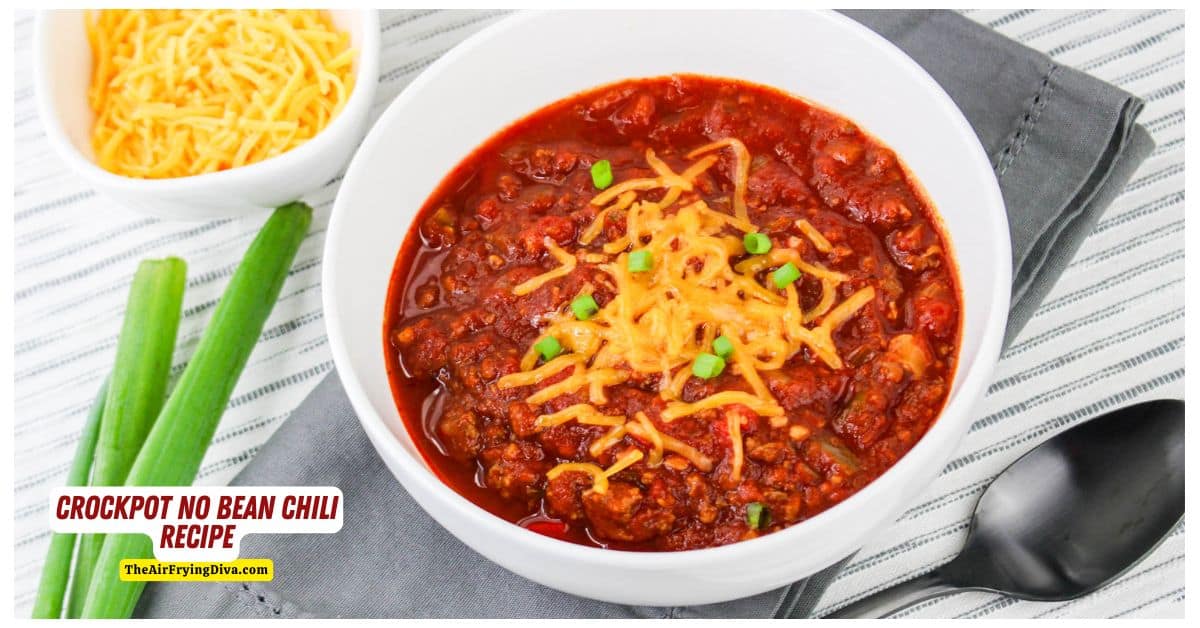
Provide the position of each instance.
(136, 391)
(55, 572)
(176, 444)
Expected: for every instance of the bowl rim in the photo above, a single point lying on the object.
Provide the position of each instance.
(367, 70)
(971, 383)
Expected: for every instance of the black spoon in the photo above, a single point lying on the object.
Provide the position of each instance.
(1066, 518)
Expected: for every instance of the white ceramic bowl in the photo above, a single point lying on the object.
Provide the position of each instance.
(63, 72)
(530, 60)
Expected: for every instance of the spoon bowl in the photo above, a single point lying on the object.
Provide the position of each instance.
(1068, 517)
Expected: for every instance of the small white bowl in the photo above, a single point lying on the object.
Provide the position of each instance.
(63, 72)
(528, 61)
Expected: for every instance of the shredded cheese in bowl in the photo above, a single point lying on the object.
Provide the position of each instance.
(185, 92)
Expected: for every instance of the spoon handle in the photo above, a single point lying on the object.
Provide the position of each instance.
(900, 596)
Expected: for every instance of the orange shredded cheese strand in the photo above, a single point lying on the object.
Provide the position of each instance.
(599, 378)
(814, 236)
(593, 230)
(779, 256)
(602, 444)
(599, 479)
(626, 460)
(632, 185)
(847, 309)
(674, 445)
(599, 476)
(679, 409)
(184, 92)
(655, 437)
(741, 177)
(828, 294)
(566, 262)
(666, 179)
(735, 437)
(745, 367)
(576, 381)
(581, 413)
(541, 373)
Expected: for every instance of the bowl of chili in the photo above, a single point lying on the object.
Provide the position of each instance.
(675, 321)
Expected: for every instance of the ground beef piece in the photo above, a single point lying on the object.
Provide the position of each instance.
(515, 470)
(865, 417)
(769, 452)
(875, 199)
(828, 455)
(458, 430)
(875, 206)
(522, 418)
(622, 513)
(560, 229)
(935, 307)
(798, 386)
(918, 406)
(427, 294)
(674, 126)
(463, 266)
(635, 118)
(568, 440)
(469, 354)
(422, 347)
(702, 498)
(542, 164)
(773, 183)
(606, 103)
(564, 495)
(440, 229)
(915, 247)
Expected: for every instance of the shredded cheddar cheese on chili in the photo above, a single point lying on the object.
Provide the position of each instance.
(660, 318)
(185, 92)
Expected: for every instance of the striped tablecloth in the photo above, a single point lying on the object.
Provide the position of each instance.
(1111, 333)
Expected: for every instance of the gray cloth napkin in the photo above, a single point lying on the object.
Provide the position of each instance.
(1063, 144)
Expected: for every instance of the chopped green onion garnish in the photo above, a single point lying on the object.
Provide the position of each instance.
(756, 515)
(602, 176)
(756, 243)
(548, 348)
(584, 307)
(707, 366)
(640, 261)
(723, 347)
(785, 275)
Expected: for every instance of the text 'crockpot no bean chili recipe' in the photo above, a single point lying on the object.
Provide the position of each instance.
(672, 313)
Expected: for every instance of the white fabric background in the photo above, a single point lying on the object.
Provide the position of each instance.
(1111, 333)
